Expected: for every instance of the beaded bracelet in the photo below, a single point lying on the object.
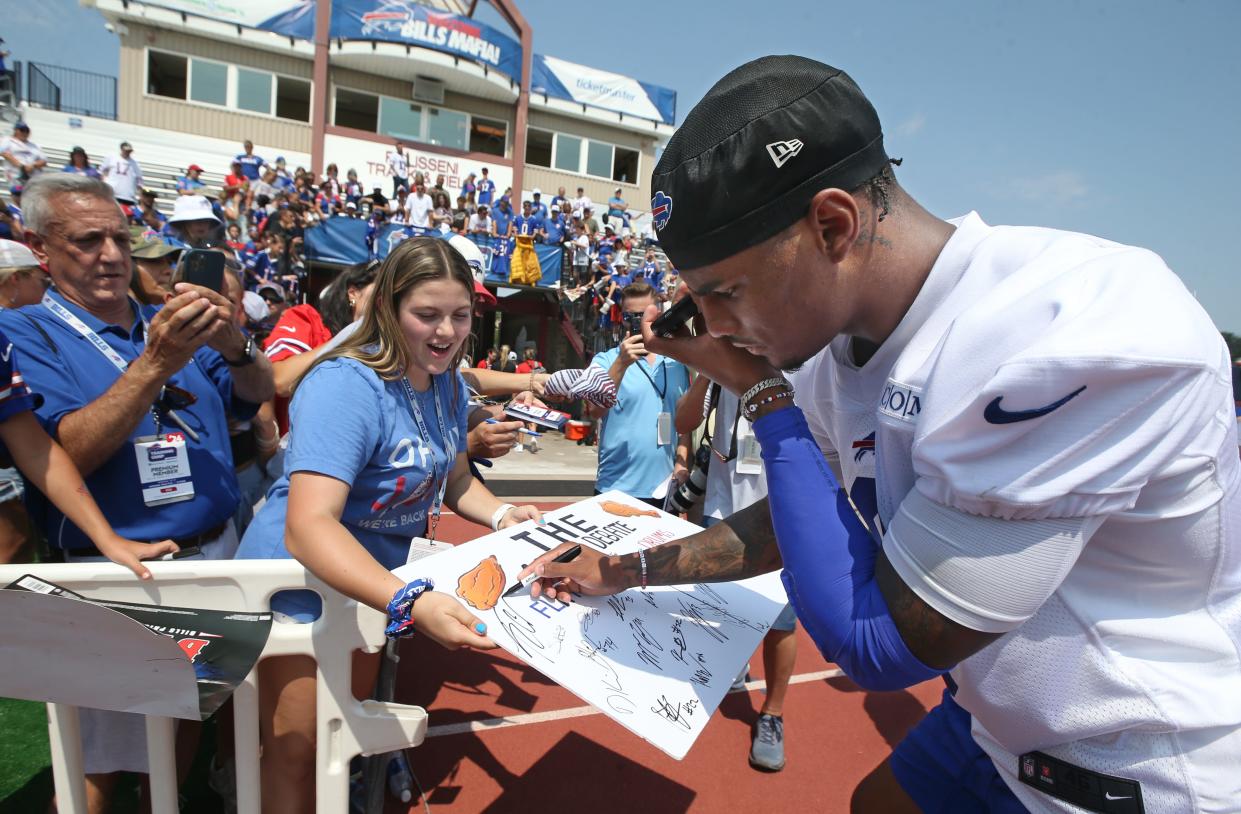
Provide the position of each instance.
(642, 562)
(752, 408)
(778, 381)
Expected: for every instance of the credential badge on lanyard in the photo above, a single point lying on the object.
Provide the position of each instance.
(438, 503)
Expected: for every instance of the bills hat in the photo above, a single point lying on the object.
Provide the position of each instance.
(753, 152)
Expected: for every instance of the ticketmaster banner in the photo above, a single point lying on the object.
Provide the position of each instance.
(591, 86)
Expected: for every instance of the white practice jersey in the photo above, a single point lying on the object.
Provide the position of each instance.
(1048, 384)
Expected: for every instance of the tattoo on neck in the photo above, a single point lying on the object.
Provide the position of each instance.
(867, 236)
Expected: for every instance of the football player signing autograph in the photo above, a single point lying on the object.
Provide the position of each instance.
(1035, 428)
(377, 446)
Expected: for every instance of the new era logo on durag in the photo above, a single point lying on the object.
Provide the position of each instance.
(782, 151)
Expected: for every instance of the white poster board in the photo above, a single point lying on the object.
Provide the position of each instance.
(72, 651)
(658, 661)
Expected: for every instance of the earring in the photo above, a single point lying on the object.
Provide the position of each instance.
(352, 302)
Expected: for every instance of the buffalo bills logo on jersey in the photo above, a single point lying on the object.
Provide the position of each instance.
(661, 210)
(864, 446)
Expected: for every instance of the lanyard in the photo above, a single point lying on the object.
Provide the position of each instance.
(663, 368)
(71, 319)
(426, 436)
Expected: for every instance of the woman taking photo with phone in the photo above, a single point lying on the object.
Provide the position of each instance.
(377, 446)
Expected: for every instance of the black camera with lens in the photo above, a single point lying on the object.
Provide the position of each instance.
(688, 494)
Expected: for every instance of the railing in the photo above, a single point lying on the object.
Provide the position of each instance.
(71, 91)
(11, 86)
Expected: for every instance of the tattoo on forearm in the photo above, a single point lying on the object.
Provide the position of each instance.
(742, 546)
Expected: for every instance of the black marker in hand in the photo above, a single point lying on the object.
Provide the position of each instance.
(568, 556)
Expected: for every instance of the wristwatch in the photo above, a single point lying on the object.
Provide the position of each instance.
(248, 354)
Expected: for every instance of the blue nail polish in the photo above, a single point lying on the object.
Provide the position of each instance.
(481, 628)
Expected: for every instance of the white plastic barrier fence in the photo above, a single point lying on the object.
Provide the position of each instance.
(345, 726)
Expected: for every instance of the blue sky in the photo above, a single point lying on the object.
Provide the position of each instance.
(1121, 118)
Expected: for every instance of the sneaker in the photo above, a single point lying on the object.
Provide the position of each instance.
(767, 750)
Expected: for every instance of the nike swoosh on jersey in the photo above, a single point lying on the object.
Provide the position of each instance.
(995, 414)
(1107, 795)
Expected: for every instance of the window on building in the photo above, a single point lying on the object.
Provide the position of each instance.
(447, 128)
(568, 153)
(166, 74)
(357, 110)
(625, 165)
(292, 98)
(599, 159)
(539, 147)
(209, 82)
(487, 136)
(254, 91)
(400, 119)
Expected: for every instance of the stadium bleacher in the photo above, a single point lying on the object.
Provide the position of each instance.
(160, 178)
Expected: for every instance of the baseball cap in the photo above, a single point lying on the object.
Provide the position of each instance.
(474, 258)
(270, 292)
(537, 191)
(279, 159)
(192, 167)
(192, 207)
(350, 205)
(125, 145)
(254, 306)
(14, 255)
(790, 126)
(152, 248)
(22, 126)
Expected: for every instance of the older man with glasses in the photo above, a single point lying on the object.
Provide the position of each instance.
(127, 387)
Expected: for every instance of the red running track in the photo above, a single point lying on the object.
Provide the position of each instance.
(546, 759)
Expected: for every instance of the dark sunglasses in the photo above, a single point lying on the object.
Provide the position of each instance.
(172, 397)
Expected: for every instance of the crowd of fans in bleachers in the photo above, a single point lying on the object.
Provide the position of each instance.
(265, 207)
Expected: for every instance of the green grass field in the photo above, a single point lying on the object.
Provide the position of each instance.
(26, 766)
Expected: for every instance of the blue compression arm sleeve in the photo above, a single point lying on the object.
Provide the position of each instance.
(829, 560)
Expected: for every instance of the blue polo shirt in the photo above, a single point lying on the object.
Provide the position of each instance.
(555, 228)
(630, 459)
(69, 372)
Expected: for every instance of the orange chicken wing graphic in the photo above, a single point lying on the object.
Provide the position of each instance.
(482, 585)
(625, 510)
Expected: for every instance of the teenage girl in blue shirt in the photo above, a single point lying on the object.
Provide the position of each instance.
(378, 434)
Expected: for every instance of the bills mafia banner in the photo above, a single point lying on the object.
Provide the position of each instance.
(410, 23)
